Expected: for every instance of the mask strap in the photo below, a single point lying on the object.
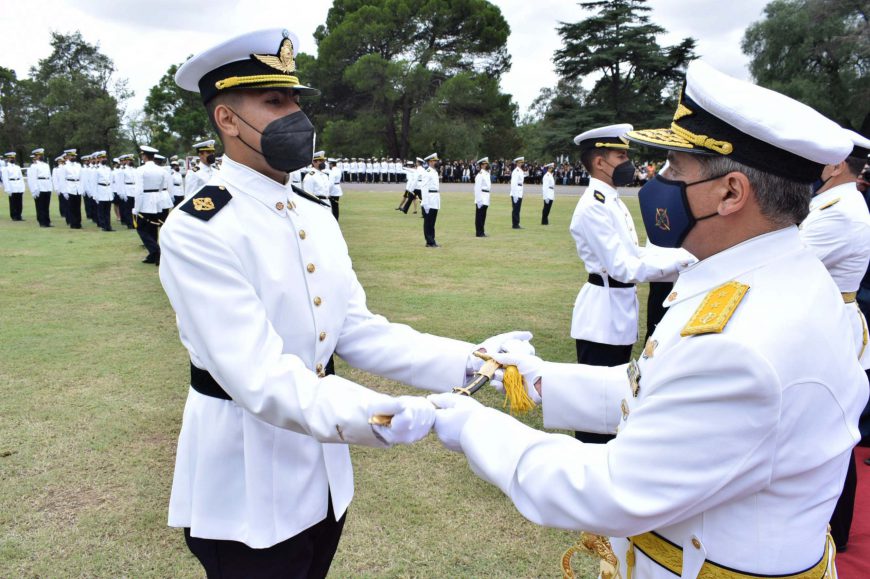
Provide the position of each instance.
(239, 137)
(715, 213)
(822, 186)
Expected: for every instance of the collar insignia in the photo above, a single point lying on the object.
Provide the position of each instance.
(282, 60)
(663, 222)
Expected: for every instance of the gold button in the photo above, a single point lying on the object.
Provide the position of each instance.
(301, 234)
(317, 300)
(279, 206)
(672, 297)
(322, 336)
(221, 187)
(311, 268)
(696, 543)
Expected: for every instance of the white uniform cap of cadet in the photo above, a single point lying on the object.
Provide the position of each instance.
(159, 157)
(721, 115)
(483, 160)
(318, 155)
(609, 137)
(518, 159)
(207, 145)
(432, 157)
(38, 151)
(860, 144)
(147, 149)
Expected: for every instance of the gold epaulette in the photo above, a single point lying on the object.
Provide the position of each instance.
(830, 203)
(718, 306)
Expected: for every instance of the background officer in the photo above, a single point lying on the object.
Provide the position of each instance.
(39, 181)
(148, 207)
(482, 188)
(13, 183)
(548, 191)
(517, 178)
(430, 185)
(197, 178)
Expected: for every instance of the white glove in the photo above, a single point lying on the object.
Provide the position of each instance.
(413, 417)
(497, 344)
(529, 366)
(453, 412)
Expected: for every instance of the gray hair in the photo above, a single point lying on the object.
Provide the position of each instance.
(781, 200)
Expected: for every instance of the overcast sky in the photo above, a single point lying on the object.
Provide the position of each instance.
(144, 38)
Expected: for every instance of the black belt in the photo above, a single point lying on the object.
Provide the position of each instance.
(15, 179)
(203, 382)
(485, 190)
(73, 180)
(43, 178)
(433, 190)
(129, 182)
(596, 279)
(151, 191)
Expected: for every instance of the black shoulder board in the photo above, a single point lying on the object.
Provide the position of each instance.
(309, 196)
(207, 202)
(599, 196)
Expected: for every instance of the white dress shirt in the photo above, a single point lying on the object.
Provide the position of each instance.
(151, 182)
(517, 178)
(430, 185)
(482, 188)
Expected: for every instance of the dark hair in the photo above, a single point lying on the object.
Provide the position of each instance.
(855, 165)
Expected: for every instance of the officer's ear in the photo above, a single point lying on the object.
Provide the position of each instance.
(225, 120)
(736, 192)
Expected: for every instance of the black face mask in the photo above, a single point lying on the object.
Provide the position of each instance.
(287, 142)
(210, 157)
(321, 166)
(623, 174)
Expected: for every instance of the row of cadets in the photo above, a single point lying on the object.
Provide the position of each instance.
(430, 185)
(605, 319)
(335, 192)
(152, 202)
(198, 176)
(482, 192)
(40, 183)
(13, 184)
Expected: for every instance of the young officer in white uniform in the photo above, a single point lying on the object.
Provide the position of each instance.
(40, 183)
(430, 185)
(148, 206)
(74, 189)
(604, 323)
(103, 191)
(264, 292)
(736, 425)
(195, 180)
(59, 182)
(837, 230)
(482, 193)
(548, 192)
(517, 178)
(177, 183)
(13, 183)
(335, 192)
(315, 181)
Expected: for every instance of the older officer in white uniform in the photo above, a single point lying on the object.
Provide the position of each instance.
(604, 322)
(735, 426)
(40, 183)
(548, 192)
(148, 206)
(196, 179)
(517, 178)
(482, 194)
(264, 292)
(430, 186)
(837, 230)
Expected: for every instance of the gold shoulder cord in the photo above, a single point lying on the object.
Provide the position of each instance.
(599, 546)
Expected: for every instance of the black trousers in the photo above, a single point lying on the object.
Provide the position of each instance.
(545, 213)
(515, 211)
(333, 201)
(177, 200)
(16, 205)
(89, 208)
(429, 218)
(595, 354)
(841, 520)
(655, 309)
(406, 201)
(43, 204)
(74, 211)
(127, 211)
(480, 220)
(307, 555)
(104, 215)
(147, 224)
(61, 204)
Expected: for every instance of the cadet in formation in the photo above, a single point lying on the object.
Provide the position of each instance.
(482, 187)
(74, 189)
(736, 424)
(430, 186)
(315, 181)
(335, 192)
(149, 207)
(39, 180)
(517, 178)
(263, 473)
(548, 192)
(198, 176)
(13, 184)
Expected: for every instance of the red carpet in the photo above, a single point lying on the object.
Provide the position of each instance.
(855, 562)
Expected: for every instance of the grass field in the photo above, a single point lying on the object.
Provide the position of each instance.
(93, 380)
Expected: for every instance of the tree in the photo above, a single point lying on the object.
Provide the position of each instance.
(637, 79)
(385, 66)
(12, 114)
(818, 52)
(174, 117)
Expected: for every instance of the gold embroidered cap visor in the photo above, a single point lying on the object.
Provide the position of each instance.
(721, 115)
(255, 60)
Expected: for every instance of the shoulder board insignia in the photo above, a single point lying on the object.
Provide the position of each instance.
(207, 202)
(599, 196)
(309, 196)
(830, 203)
(311, 172)
(718, 306)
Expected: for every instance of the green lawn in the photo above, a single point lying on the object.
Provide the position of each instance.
(93, 380)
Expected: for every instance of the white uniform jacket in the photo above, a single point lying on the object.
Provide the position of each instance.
(517, 178)
(196, 180)
(264, 292)
(421, 174)
(606, 240)
(103, 183)
(13, 180)
(316, 182)
(411, 176)
(430, 185)
(335, 182)
(39, 178)
(73, 177)
(736, 444)
(177, 184)
(837, 230)
(151, 180)
(548, 187)
(129, 178)
(58, 179)
(482, 188)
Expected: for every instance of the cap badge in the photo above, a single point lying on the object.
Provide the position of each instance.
(283, 60)
(203, 204)
(662, 220)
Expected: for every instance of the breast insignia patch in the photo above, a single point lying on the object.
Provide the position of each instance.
(599, 196)
(829, 204)
(207, 202)
(718, 306)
